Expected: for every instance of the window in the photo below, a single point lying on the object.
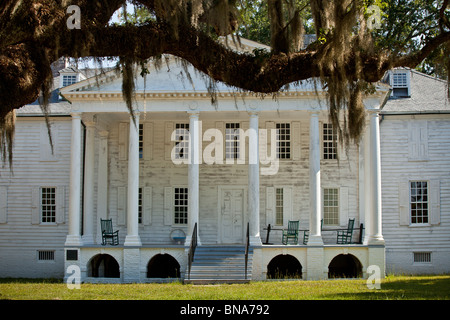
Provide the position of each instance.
(279, 205)
(422, 257)
(180, 205)
(68, 80)
(140, 206)
(46, 255)
(48, 205)
(400, 84)
(331, 206)
(141, 141)
(419, 202)
(182, 141)
(329, 142)
(399, 80)
(232, 143)
(283, 140)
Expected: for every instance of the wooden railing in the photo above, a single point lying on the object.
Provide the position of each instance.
(246, 249)
(192, 247)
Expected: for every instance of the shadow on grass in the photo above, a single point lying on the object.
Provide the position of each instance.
(405, 288)
(30, 280)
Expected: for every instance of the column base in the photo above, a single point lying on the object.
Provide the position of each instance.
(132, 241)
(255, 241)
(374, 240)
(315, 240)
(73, 241)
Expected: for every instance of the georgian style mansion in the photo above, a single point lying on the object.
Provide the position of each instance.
(197, 191)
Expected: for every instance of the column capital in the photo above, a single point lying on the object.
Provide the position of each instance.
(75, 115)
(193, 114)
(373, 112)
(253, 113)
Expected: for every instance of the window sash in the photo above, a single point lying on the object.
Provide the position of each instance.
(331, 206)
(329, 142)
(182, 141)
(141, 141)
(68, 80)
(48, 204)
(419, 202)
(180, 205)
(399, 80)
(232, 141)
(283, 140)
(279, 207)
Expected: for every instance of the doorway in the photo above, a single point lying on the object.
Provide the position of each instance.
(232, 215)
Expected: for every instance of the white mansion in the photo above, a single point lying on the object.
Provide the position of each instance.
(183, 171)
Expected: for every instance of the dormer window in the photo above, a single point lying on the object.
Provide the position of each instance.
(400, 84)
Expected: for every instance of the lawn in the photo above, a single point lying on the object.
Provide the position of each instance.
(392, 288)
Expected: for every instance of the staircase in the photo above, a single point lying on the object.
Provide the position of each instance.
(220, 264)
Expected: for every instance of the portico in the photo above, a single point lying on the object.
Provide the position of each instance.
(178, 162)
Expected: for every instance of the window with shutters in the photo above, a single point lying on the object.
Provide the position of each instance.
(283, 140)
(48, 204)
(331, 206)
(419, 202)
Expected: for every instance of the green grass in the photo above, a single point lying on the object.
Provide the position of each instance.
(392, 288)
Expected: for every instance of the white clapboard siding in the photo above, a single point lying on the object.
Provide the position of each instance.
(415, 149)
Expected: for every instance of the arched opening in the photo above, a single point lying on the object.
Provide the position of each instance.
(284, 267)
(103, 266)
(345, 266)
(163, 266)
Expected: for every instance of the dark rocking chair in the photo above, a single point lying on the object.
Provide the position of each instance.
(108, 234)
(291, 232)
(345, 236)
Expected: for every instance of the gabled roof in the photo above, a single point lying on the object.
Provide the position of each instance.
(428, 94)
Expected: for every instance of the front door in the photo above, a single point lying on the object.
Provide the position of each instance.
(232, 215)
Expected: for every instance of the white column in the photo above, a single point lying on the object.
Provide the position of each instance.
(315, 236)
(367, 185)
(88, 221)
(375, 235)
(193, 177)
(253, 181)
(74, 238)
(132, 238)
(102, 181)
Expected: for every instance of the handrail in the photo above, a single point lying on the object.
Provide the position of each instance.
(191, 252)
(246, 249)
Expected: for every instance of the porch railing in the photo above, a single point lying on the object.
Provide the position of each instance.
(247, 243)
(192, 247)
